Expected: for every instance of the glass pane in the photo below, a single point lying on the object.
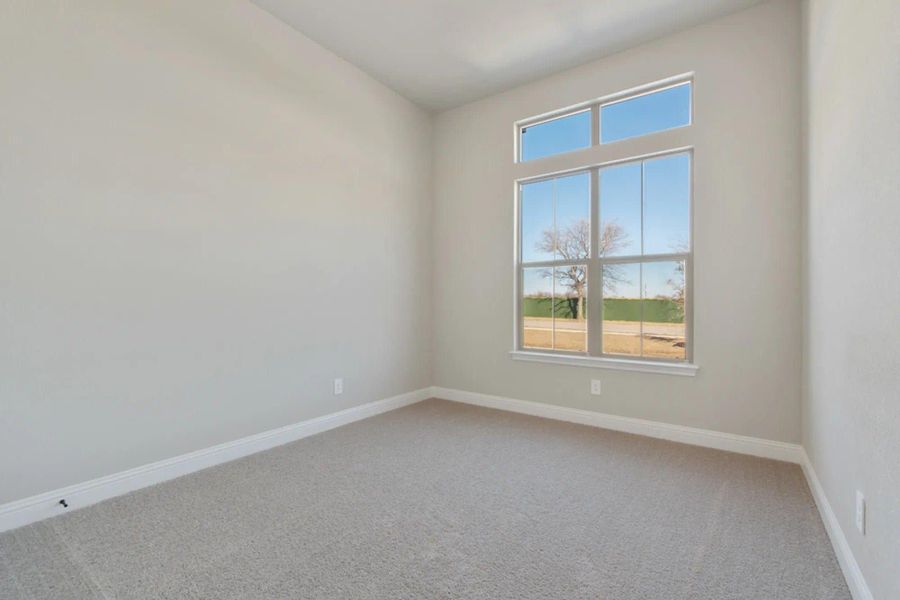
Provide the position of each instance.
(537, 308)
(569, 305)
(620, 210)
(667, 193)
(622, 309)
(556, 219)
(573, 217)
(663, 310)
(564, 134)
(537, 218)
(645, 114)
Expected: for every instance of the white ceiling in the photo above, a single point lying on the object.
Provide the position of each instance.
(443, 53)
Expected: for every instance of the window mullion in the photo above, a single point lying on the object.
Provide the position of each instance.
(552, 263)
(637, 258)
(595, 278)
(553, 272)
(641, 267)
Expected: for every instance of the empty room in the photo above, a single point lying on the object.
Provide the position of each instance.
(473, 299)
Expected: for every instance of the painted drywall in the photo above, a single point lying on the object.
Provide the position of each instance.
(205, 218)
(851, 400)
(747, 232)
(443, 54)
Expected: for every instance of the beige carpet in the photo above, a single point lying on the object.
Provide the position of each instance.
(442, 500)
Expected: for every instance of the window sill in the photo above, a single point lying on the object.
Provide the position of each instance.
(598, 362)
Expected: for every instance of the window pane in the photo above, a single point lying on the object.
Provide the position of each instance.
(667, 193)
(663, 310)
(622, 309)
(564, 134)
(570, 303)
(537, 308)
(553, 308)
(537, 217)
(573, 217)
(645, 114)
(556, 221)
(620, 210)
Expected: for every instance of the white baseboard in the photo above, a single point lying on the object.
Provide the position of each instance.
(677, 433)
(29, 510)
(859, 589)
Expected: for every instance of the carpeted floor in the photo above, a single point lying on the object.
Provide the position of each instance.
(443, 500)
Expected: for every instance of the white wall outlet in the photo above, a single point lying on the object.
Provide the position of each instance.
(860, 512)
(338, 387)
(596, 387)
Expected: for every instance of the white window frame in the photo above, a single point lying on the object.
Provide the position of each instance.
(667, 142)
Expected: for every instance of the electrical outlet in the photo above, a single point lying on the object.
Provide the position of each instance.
(596, 388)
(860, 512)
(338, 387)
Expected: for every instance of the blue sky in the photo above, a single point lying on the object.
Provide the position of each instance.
(655, 190)
(569, 197)
(560, 135)
(666, 212)
(645, 114)
(618, 121)
(666, 204)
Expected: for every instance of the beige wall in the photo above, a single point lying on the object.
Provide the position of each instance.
(205, 218)
(851, 406)
(747, 232)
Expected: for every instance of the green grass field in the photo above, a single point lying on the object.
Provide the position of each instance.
(614, 309)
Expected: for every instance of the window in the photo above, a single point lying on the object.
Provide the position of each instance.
(604, 252)
(561, 134)
(630, 116)
(556, 239)
(648, 113)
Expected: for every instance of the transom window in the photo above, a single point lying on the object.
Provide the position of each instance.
(604, 251)
(614, 119)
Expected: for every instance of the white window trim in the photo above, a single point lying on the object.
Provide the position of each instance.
(573, 162)
(606, 362)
